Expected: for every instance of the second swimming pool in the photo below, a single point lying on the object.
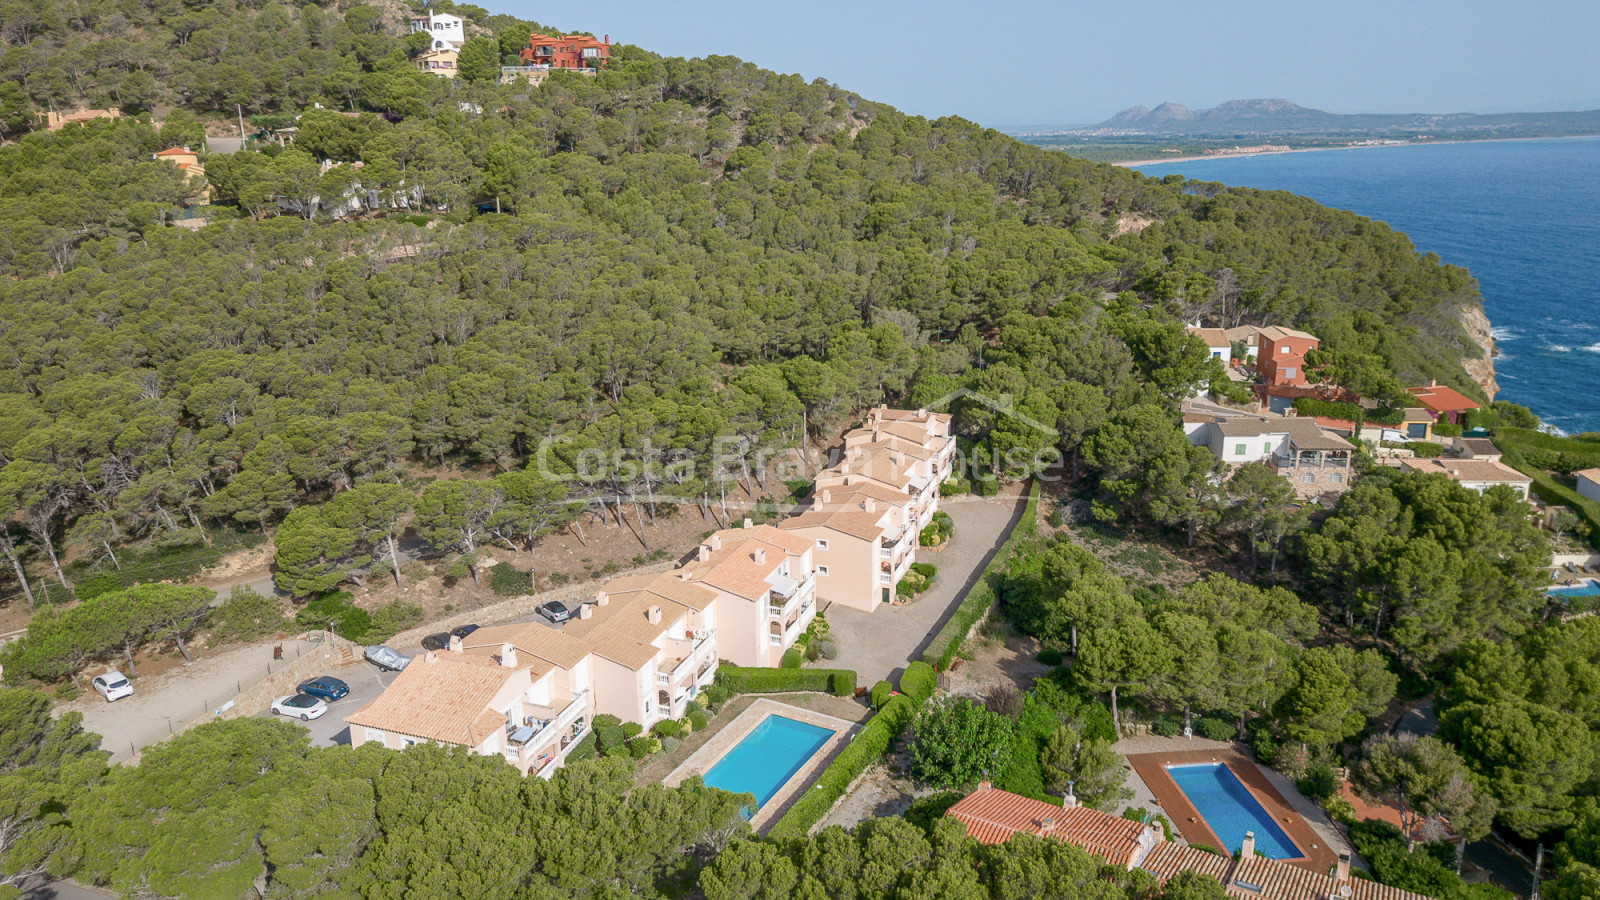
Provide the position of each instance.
(1231, 810)
(767, 757)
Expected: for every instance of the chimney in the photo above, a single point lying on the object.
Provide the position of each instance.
(508, 655)
(1047, 825)
(430, 657)
(653, 615)
(984, 785)
(748, 523)
(455, 644)
(601, 598)
(1433, 382)
(760, 556)
(704, 553)
(1069, 800)
(826, 495)
(877, 434)
(867, 504)
(585, 611)
(716, 542)
(683, 574)
(844, 469)
(1247, 850)
(1341, 873)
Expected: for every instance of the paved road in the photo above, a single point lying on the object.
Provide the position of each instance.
(879, 644)
(63, 890)
(366, 682)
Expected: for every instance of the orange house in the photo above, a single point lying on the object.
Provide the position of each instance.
(575, 51)
(1282, 360)
(189, 161)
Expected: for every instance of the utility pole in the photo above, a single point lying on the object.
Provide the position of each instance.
(240, 108)
(1538, 866)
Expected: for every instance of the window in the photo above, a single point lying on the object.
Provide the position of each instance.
(1336, 478)
(1283, 350)
(1239, 450)
(822, 544)
(822, 571)
(1288, 372)
(1266, 448)
(883, 578)
(1308, 478)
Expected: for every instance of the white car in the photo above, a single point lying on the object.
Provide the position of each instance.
(112, 686)
(300, 706)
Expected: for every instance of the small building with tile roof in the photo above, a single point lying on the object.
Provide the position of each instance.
(1443, 402)
(1313, 459)
(992, 816)
(1473, 474)
(1588, 483)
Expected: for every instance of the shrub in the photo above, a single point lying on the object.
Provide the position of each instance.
(1166, 827)
(925, 812)
(1293, 760)
(245, 616)
(669, 744)
(1447, 429)
(828, 649)
(955, 487)
(715, 694)
(1050, 657)
(867, 747)
(880, 694)
(605, 719)
(586, 749)
(337, 612)
(1425, 449)
(509, 581)
(1215, 729)
(926, 570)
(641, 747)
(1207, 848)
(609, 736)
(842, 682)
(697, 720)
(918, 682)
(791, 659)
(667, 728)
(1319, 782)
(1310, 406)
(631, 730)
(1166, 726)
(390, 619)
(1339, 809)
(619, 751)
(813, 651)
(956, 741)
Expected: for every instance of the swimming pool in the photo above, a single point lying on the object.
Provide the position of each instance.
(1230, 809)
(1589, 588)
(767, 757)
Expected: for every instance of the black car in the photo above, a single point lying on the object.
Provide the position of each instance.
(325, 686)
(462, 631)
(440, 641)
(554, 610)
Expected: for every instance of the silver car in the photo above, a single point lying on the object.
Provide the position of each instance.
(387, 658)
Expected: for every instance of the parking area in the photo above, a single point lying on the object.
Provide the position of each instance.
(366, 682)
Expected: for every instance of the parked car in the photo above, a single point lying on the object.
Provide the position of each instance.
(462, 631)
(300, 706)
(440, 641)
(112, 686)
(554, 610)
(387, 658)
(327, 687)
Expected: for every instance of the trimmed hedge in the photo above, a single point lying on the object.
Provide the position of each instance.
(982, 596)
(880, 694)
(742, 680)
(870, 743)
(918, 682)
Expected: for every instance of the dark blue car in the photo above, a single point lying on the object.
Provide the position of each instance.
(325, 686)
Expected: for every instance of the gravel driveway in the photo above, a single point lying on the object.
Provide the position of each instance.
(879, 644)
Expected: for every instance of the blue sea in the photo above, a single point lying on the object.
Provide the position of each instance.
(1522, 216)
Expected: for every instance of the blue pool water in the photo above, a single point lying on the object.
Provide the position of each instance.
(1230, 810)
(1587, 589)
(767, 757)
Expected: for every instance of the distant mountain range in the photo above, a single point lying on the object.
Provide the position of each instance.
(1241, 117)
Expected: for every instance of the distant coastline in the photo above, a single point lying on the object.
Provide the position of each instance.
(1134, 163)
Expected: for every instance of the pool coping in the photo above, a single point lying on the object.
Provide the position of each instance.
(713, 750)
(1188, 822)
(1206, 823)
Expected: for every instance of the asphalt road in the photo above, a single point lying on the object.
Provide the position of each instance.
(366, 681)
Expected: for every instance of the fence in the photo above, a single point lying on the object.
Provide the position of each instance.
(246, 695)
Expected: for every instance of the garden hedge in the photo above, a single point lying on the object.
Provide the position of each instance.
(982, 596)
(869, 744)
(918, 682)
(742, 680)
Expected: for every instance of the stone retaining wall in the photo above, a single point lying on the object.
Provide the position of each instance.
(520, 607)
(256, 698)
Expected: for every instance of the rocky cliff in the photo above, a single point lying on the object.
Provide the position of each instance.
(1480, 370)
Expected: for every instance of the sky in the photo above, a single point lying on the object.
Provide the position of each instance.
(1013, 64)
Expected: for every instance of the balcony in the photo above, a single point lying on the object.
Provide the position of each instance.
(540, 724)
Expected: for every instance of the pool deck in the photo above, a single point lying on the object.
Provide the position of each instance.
(707, 756)
(1151, 767)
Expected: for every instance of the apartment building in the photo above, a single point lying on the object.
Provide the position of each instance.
(766, 586)
(530, 706)
(573, 52)
(864, 537)
(654, 639)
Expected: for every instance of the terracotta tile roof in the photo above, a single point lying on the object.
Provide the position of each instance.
(1473, 470)
(733, 567)
(912, 415)
(1442, 399)
(1416, 414)
(850, 490)
(991, 816)
(888, 443)
(857, 523)
(1268, 879)
(1479, 446)
(1167, 859)
(621, 630)
(1214, 337)
(1591, 474)
(534, 639)
(1278, 333)
(444, 700)
(1305, 433)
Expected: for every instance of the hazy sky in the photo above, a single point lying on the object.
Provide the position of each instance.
(1013, 63)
